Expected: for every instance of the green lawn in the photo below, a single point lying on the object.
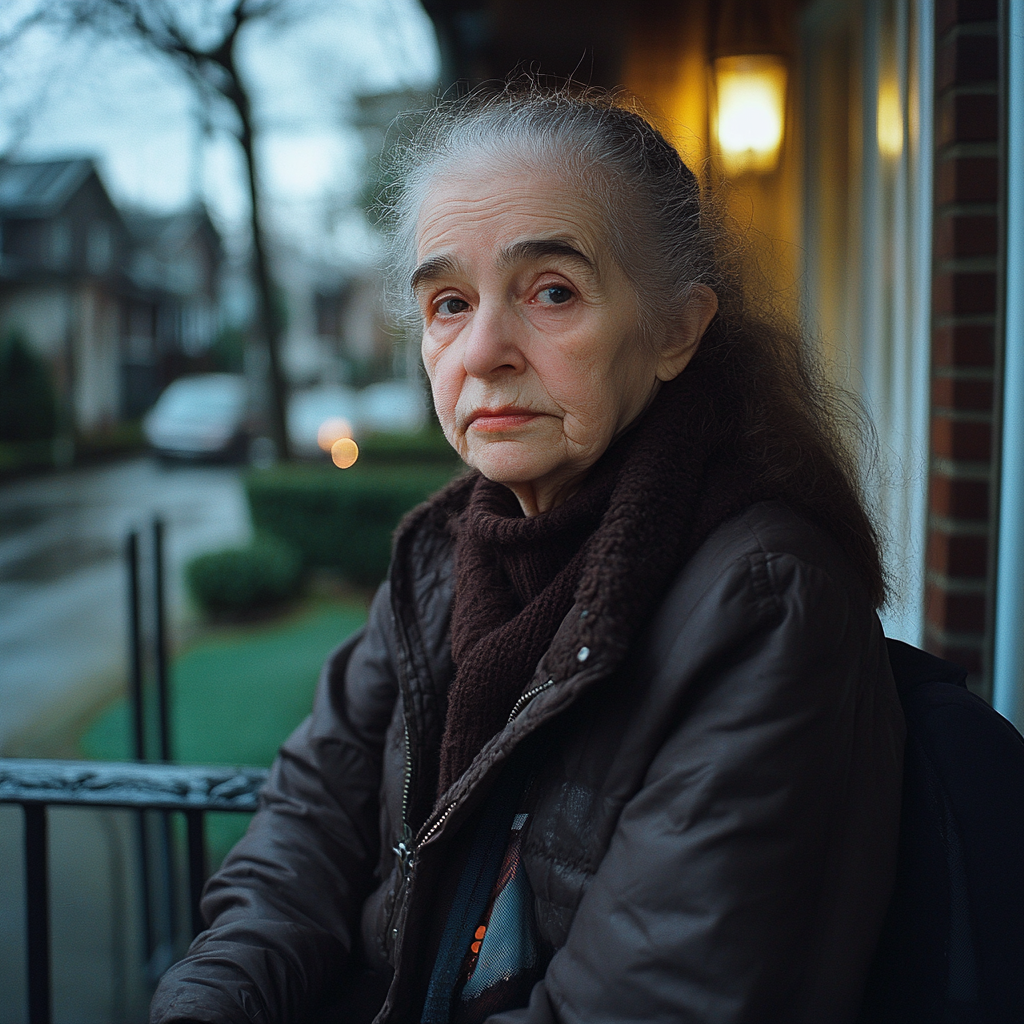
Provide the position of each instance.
(236, 695)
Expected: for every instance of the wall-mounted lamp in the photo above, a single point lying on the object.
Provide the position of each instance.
(749, 46)
(890, 119)
(751, 111)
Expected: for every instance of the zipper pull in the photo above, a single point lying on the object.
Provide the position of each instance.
(405, 852)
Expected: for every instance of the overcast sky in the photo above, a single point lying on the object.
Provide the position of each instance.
(137, 115)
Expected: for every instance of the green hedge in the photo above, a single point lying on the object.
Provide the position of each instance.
(341, 519)
(424, 447)
(16, 456)
(265, 573)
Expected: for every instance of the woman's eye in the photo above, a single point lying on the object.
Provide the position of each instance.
(450, 307)
(554, 295)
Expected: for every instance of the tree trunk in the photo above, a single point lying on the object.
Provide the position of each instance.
(268, 319)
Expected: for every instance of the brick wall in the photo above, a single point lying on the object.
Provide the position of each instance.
(966, 295)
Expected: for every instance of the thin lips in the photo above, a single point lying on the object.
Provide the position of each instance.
(507, 410)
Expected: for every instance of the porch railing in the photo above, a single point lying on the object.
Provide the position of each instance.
(35, 785)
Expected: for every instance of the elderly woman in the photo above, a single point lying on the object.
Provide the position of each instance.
(620, 741)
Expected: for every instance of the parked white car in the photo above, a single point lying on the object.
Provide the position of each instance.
(320, 416)
(198, 417)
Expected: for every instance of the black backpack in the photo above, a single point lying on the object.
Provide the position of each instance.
(952, 947)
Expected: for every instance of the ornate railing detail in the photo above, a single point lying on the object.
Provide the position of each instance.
(35, 785)
(114, 784)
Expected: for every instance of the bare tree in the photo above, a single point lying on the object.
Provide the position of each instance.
(202, 40)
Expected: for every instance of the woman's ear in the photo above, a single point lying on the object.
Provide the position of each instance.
(681, 343)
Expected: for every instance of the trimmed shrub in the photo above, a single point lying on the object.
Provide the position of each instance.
(28, 404)
(341, 519)
(265, 573)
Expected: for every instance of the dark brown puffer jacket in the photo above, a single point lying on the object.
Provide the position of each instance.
(714, 831)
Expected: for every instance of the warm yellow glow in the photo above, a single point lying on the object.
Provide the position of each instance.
(750, 121)
(890, 120)
(331, 430)
(344, 452)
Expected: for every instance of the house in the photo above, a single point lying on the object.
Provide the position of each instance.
(888, 202)
(171, 302)
(352, 326)
(116, 303)
(63, 255)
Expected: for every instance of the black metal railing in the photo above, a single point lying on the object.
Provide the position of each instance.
(35, 785)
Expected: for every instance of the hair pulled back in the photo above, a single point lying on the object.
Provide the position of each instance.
(776, 412)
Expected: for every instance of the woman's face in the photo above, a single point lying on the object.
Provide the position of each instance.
(530, 333)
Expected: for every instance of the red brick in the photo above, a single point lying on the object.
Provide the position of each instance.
(967, 59)
(964, 292)
(960, 12)
(955, 613)
(967, 500)
(968, 117)
(955, 439)
(958, 555)
(967, 179)
(964, 395)
(966, 345)
(966, 236)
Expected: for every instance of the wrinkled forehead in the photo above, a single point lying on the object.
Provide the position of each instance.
(504, 198)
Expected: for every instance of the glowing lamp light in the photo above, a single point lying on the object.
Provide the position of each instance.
(890, 120)
(344, 452)
(750, 121)
(331, 430)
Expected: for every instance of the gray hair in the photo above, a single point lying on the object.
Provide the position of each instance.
(777, 419)
(649, 201)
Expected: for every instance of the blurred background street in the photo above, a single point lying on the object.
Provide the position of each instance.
(64, 583)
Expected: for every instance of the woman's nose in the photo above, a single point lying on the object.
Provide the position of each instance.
(492, 343)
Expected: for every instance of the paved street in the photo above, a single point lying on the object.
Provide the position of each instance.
(63, 591)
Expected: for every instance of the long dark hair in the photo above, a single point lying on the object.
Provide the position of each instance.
(799, 436)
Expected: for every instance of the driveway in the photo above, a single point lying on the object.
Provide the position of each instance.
(63, 582)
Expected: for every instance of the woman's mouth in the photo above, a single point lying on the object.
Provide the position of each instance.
(499, 420)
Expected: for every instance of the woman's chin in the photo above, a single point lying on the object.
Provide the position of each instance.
(511, 476)
(510, 462)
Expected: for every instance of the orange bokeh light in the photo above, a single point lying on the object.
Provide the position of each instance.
(344, 452)
(332, 430)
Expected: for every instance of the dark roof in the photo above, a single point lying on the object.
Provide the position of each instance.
(40, 188)
(167, 230)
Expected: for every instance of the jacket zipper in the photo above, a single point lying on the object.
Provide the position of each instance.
(526, 698)
(404, 850)
(437, 824)
(407, 847)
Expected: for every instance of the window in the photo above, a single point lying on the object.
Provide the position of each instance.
(867, 222)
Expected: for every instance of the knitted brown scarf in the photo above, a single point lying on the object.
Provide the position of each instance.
(616, 545)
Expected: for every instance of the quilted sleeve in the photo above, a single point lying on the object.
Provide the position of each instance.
(284, 908)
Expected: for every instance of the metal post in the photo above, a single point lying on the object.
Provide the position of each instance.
(138, 725)
(163, 721)
(135, 648)
(37, 908)
(167, 886)
(196, 824)
(160, 641)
